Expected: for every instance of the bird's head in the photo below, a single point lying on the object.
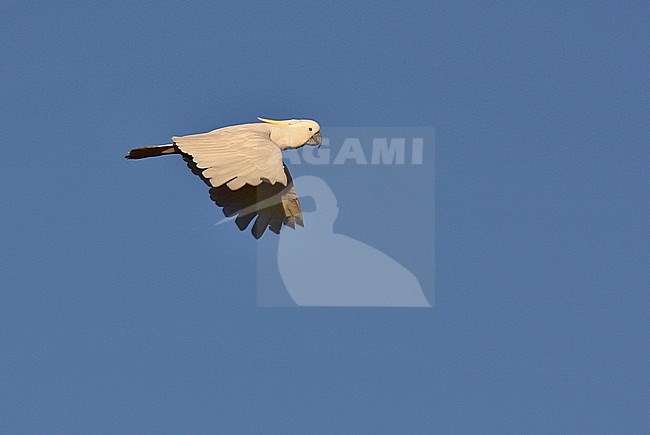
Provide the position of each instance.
(294, 133)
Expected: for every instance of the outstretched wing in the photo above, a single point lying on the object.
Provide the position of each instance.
(273, 204)
(243, 178)
(235, 156)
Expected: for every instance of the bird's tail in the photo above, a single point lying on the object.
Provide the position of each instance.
(151, 151)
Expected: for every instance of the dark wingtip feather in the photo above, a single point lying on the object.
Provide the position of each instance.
(259, 226)
(243, 221)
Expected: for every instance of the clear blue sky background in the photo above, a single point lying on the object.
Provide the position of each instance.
(123, 309)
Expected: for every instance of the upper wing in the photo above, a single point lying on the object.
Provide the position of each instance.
(235, 156)
(241, 169)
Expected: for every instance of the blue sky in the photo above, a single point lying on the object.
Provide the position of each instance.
(123, 309)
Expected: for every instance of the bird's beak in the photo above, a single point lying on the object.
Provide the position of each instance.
(315, 139)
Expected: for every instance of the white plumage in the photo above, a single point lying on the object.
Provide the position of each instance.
(243, 166)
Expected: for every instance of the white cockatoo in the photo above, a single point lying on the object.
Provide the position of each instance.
(243, 166)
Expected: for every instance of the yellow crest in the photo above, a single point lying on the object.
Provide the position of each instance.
(272, 121)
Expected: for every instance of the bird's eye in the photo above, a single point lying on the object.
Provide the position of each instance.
(310, 129)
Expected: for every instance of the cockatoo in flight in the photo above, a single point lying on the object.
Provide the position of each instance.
(242, 165)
